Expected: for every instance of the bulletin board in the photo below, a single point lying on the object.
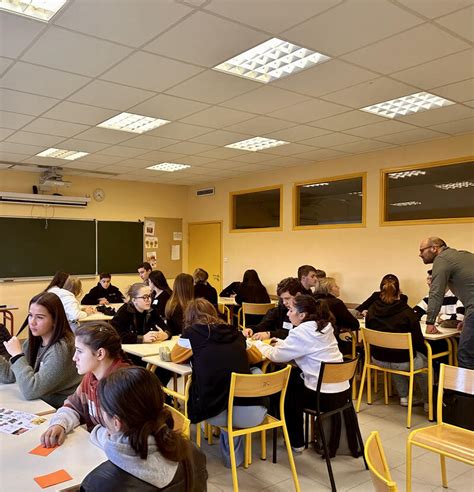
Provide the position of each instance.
(163, 245)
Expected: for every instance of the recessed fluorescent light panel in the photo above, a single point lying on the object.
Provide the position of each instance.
(134, 123)
(406, 174)
(271, 60)
(169, 167)
(405, 204)
(69, 155)
(38, 9)
(256, 143)
(403, 106)
(314, 185)
(455, 186)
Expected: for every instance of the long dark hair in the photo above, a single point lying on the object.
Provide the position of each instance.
(135, 396)
(58, 280)
(251, 289)
(314, 310)
(183, 292)
(157, 278)
(61, 328)
(100, 334)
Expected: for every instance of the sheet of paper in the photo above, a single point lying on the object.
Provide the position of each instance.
(177, 236)
(52, 478)
(42, 451)
(16, 422)
(175, 252)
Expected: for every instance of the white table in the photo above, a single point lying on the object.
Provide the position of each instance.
(147, 349)
(11, 397)
(184, 370)
(99, 316)
(78, 456)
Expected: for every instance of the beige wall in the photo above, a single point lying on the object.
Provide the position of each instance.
(357, 257)
(127, 201)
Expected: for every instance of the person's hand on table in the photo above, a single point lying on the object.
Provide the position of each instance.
(103, 301)
(432, 330)
(150, 337)
(247, 332)
(54, 436)
(364, 313)
(263, 335)
(160, 335)
(13, 346)
(90, 309)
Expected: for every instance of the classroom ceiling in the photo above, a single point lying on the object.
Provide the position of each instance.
(96, 59)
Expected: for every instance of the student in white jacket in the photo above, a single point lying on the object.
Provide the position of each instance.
(69, 297)
(311, 342)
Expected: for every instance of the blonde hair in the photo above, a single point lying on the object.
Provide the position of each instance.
(74, 285)
(326, 285)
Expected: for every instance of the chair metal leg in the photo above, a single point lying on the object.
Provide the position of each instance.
(376, 381)
(233, 463)
(263, 441)
(361, 387)
(430, 392)
(286, 437)
(198, 434)
(444, 477)
(246, 451)
(408, 484)
(385, 388)
(359, 436)
(369, 387)
(275, 437)
(410, 400)
(306, 429)
(326, 453)
(250, 449)
(389, 384)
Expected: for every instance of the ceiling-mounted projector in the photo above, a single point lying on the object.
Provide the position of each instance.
(52, 177)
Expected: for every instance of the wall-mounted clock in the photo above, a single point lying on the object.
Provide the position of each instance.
(98, 194)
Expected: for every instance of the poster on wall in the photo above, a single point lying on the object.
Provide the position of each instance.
(149, 227)
(151, 242)
(151, 258)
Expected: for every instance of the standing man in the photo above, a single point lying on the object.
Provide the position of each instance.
(144, 270)
(454, 269)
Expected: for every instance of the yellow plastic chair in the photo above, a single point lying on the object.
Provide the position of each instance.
(445, 439)
(181, 423)
(252, 308)
(392, 341)
(223, 309)
(259, 385)
(377, 463)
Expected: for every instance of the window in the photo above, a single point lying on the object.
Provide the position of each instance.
(330, 202)
(256, 209)
(437, 192)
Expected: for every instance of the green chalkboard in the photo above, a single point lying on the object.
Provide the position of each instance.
(39, 247)
(120, 246)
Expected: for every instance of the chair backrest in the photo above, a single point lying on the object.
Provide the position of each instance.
(181, 423)
(386, 339)
(338, 372)
(456, 379)
(250, 385)
(252, 308)
(377, 463)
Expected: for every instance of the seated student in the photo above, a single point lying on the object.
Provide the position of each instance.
(160, 290)
(135, 321)
(320, 273)
(98, 354)
(144, 269)
(392, 314)
(276, 322)
(144, 452)
(364, 307)
(218, 349)
(68, 295)
(104, 292)
(202, 288)
(43, 367)
(308, 278)
(183, 293)
(309, 343)
(230, 290)
(451, 311)
(252, 290)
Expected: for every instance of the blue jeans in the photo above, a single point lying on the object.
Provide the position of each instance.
(401, 382)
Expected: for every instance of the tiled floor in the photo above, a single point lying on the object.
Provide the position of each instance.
(350, 473)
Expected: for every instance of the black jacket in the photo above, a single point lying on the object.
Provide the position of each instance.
(373, 297)
(274, 322)
(230, 290)
(159, 303)
(108, 477)
(112, 294)
(344, 319)
(218, 350)
(131, 325)
(175, 322)
(395, 318)
(203, 289)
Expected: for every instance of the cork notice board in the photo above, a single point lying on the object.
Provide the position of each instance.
(163, 245)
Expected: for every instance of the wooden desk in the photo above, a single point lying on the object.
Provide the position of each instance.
(11, 397)
(184, 370)
(148, 349)
(8, 316)
(78, 456)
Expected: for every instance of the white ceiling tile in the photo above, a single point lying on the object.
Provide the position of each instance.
(14, 121)
(5, 132)
(168, 107)
(150, 142)
(219, 137)
(440, 115)
(250, 168)
(188, 148)
(348, 120)
(217, 117)
(253, 157)
(219, 41)
(101, 159)
(297, 133)
(460, 91)
(351, 25)
(122, 151)
(416, 135)
(105, 135)
(74, 52)
(418, 45)
(180, 131)
(469, 103)
(19, 31)
(4, 64)
(259, 126)
(331, 140)
(83, 145)
(22, 102)
(265, 100)
(378, 129)
(213, 87)
(290, 149)
(116, 168)
(272, 16)
(19, 148)
(311, 110)
(29, 138)
(133, 164)
(159, 156)
(109, 95)
(446, 70)
(454, 127)
(8, 156)
(130, 23)
(222, 153)
(79, 113)
(435, 8)
(460, 22)
(82, 165)
(322, 154)
(195, 160)
(362, 146)
(55, 127)
(24, 168)
(151, 72)
(287, 161)
(41, 80)
(372, 92)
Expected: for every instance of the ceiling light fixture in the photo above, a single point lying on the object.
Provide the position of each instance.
(403, 106)
(169, 167)
(314, 185)
(405, 204)
(455, 186)
(271, 60)
(406, 174)
(38, 9)
(134, 123)
(256, 143)
(69, 155)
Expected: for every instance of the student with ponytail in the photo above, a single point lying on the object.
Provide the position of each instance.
(391, 313)
(144, 452)
(98, 354)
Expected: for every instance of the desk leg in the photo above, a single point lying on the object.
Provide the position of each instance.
(8, 316)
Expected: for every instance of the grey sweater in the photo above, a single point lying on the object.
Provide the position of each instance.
(454, 269)
(55, 378)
